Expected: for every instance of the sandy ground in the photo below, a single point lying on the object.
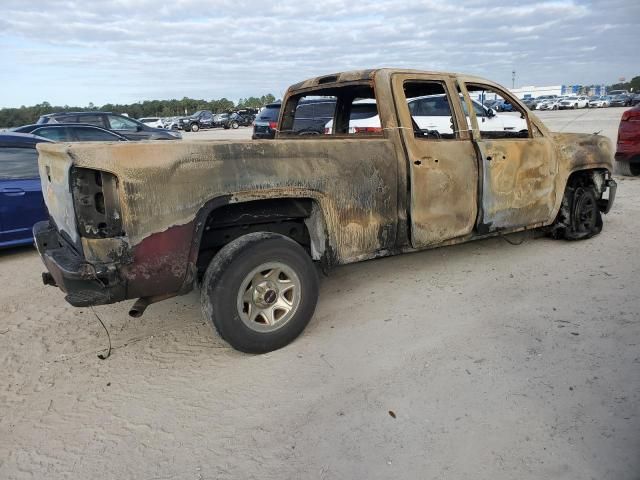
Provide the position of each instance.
(484, 361)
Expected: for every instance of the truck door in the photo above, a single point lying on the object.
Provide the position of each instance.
(518, 166)
(442, 162)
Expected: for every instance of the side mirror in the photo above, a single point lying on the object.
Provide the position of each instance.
(490, 113)
(139, 128)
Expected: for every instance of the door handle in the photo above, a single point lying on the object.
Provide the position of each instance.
(13, 192)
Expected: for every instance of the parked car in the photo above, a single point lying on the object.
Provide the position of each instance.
(312, 115)
(628, 145)
(432, 114)
(246, 220)
(621, 100)
(171, 123)
(220, 119)
(237, 119)
(21, 202)
(266, 122)
(613, 93)
(155, 122)
(600, 102)
(72, 132)
(550, 104)
(542, 98)
(530, 102)
(121, 124)
(199, 120)
(635, 100)
(501, 106)
(573, 102)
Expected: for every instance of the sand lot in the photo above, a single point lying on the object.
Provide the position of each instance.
(480, 361)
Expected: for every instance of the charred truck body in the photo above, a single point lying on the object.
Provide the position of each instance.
(248, 219)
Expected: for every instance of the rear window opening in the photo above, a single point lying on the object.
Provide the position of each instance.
(335, 111)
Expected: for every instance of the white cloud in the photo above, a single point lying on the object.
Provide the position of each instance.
(121, 51)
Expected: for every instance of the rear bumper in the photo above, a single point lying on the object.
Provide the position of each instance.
(84, 283)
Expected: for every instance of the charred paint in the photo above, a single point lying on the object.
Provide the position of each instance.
(372, 196)
(160, 262)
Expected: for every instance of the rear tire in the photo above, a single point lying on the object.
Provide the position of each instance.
(259, 292)
(629, 169)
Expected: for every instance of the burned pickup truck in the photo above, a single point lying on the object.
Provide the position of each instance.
(428, 165)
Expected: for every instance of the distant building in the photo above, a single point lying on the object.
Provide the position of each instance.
(534, 92)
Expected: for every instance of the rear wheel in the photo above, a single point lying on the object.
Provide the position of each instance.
(629, 169)
(259, 292)
(195, 127)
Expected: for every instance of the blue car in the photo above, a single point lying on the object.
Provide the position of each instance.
(21, 202)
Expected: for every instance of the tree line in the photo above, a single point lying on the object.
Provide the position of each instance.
(631, 85)
(13, 117)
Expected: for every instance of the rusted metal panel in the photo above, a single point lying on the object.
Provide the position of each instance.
(579, 151)
(518, 182)
(165, 185)
(362, 188)
(443, 173)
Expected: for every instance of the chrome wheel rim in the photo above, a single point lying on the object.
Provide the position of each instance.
(269, 296)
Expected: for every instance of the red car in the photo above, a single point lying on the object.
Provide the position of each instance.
(628, 149)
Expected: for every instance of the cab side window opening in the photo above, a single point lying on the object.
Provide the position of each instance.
(431, 113)
(348, 110)
(498, 117)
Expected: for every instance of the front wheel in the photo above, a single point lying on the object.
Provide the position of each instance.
(579, 217)
(234, 125)
(259, 292)
(195, 127)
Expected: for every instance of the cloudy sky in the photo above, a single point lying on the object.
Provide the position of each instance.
(76, 52)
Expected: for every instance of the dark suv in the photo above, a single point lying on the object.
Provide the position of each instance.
(193, 123)
(266, 122)
(238, 119)
(125, 126)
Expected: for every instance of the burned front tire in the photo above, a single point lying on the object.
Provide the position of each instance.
(579, 217)
(259, 292)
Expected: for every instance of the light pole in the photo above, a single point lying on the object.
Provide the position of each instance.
(513, 79)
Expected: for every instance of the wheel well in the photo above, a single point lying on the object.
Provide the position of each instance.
(595, 177)
(297, 218)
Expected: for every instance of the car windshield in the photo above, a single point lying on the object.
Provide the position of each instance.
(196, 114)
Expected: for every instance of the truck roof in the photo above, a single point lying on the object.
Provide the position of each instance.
(363, 75)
